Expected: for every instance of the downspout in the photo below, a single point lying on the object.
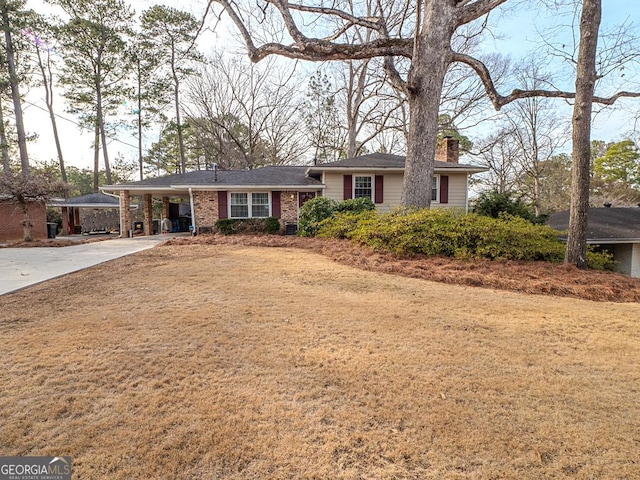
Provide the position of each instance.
(193, 215)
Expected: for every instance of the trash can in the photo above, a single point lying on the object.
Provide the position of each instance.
(52, 228)
(138, 226)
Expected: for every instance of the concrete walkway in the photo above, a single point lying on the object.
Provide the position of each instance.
(23, 267)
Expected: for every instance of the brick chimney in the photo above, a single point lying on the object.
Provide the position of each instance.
(447, 150)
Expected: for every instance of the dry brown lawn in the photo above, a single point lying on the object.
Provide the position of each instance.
(236, 362)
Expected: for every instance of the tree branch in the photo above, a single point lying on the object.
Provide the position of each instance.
(314, 49)
(500, 101)
(470, 12)
(370, 23)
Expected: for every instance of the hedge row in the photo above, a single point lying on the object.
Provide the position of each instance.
(442, 232)
(230, 226)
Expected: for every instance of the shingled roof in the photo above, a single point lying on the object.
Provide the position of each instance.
(387, 160)
(605, 225)
(264, 176)
(92, 200)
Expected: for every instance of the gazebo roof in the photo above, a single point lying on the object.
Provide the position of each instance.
(92, 200)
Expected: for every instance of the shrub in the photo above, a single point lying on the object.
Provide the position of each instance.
(355, 205)
(312, 213)
(446, 233)
(230, 226)
(494, 203)
(600, 260)
(271, 225)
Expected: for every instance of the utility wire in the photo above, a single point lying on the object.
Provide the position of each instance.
(77, 124)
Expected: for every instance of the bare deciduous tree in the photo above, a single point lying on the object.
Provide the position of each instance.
(246, 116)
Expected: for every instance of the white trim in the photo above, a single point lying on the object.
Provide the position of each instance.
(173, 189)
(465, 169)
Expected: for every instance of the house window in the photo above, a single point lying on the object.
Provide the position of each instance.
(260, 205)
(248, 205)
(435, 190)
(362, 187)
(239, 205)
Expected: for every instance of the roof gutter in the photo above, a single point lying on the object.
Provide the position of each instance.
(193, 216)
(222, 187)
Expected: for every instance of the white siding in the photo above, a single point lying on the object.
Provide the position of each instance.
(334, 184)
(393, 190)
(457, 192)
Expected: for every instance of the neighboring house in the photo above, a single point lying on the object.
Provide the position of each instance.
(279, 191)
(11, 220)
(95, 212)
(616, 230)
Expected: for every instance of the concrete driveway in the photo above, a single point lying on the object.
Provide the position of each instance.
(23, 267)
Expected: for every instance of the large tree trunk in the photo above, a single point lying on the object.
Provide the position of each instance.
(431, 57)
(4, 145)
(48, 88)
(15, 90)
(96, 156)
(183, 160)
(26, 221)
(576, 252)
(140, 158)
(103, 133)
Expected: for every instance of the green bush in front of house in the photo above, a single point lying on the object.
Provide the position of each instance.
(440, 232)
(355, 205)
(318, 209)
(231, 226)
(312, 213)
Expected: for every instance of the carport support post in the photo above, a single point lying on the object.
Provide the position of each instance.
(125, 213)
(65, 221)
(148, 214)
(165, 207)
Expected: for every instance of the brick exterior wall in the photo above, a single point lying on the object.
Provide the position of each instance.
(147, 204)
(448, 150)
(206, 209)
(288, 208)
(11, 221)
(125, 214)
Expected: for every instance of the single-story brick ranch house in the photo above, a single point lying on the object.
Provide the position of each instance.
(616, 230)
(279, 191)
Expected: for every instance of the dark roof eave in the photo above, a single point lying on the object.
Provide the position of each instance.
(438, 169)
(174, 189)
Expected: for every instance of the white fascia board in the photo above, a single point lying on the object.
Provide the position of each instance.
(134, 188)
(612, 241)
(209, 188)
(468, 170)
(355, 169)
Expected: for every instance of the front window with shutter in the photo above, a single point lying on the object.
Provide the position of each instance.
(249, 205)
(362, 187)
(435, 197)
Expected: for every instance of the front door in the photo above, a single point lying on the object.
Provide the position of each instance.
(304, 196)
